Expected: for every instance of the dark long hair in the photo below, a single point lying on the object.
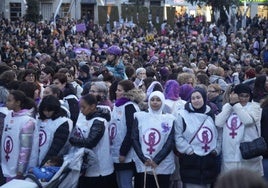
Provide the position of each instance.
(25, 102)
(259, 91)
(51, 103)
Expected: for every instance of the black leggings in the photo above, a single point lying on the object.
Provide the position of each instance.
(163, 180)
(97, 182)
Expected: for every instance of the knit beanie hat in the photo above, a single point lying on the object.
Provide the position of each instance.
(85, 69)
(242, 88)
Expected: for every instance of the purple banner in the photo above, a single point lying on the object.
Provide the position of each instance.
(80, 27)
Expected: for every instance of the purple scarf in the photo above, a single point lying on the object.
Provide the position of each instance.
(121, 101)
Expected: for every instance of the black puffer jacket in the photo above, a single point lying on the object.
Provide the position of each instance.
(96, 131)
(59, 140)
(199, 169)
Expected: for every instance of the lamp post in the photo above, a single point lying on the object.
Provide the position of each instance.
(150, 15)
(244, 19)
(75, 4)
(2, 9)
(137, 10)
(233, 17)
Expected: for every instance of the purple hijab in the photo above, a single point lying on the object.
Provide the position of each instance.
(186, 91)
(171, 90)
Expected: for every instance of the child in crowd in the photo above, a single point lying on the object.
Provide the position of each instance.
(48, 170)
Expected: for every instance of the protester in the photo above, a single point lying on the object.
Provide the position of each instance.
(196, 138)
(186, 47)
(153, 142)
(126, 104)
(54, 129)
(19, 137)
(68, 94)
(240, 121)
(114, 63)
(91, 132)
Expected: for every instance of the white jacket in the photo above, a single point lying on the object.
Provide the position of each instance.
(238, 123)
(205, 141)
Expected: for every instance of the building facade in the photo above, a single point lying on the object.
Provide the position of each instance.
(76, 9)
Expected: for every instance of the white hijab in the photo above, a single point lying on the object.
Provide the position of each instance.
(162, 98)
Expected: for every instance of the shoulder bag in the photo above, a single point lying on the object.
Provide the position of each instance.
(254, 148)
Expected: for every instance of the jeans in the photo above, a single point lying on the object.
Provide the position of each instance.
(124, 178)
(265, 168)
(189, 185)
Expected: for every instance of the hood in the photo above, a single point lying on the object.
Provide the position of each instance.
(214, 78)
(135, 95)
(101, 112)
(23, 112)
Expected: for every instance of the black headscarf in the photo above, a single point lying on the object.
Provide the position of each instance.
(189, 107)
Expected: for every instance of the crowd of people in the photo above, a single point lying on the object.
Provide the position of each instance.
(157, 108)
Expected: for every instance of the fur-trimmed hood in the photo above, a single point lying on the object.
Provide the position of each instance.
(135, 95)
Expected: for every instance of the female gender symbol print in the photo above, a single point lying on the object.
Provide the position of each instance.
(151, 138)
(8, 146)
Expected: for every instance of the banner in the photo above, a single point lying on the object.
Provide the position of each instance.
(81, 27)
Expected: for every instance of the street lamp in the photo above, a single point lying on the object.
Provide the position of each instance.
(233, 17)
(150, 15)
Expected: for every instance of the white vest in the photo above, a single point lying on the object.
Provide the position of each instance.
(47, 129)
(118, 131)
(205, 140)
(11, 144)
(104, 166)
(153, 134)
(175, 106)
(233, 135)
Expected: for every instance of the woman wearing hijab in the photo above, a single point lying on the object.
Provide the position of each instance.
(196, 138)
(185, 90)
(240, 120)
(153, 142)
(173, 100)
(173, 104)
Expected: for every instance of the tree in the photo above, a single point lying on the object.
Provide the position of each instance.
(32, 12)
(217, 5)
